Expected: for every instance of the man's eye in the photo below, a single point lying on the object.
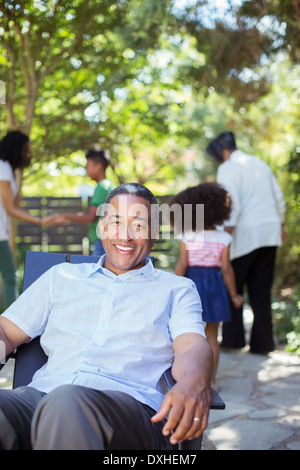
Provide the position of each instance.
(139, 226)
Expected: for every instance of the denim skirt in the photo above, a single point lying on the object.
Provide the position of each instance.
(213, 292)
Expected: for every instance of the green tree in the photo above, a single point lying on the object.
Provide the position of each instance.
(59, 58)
(153, 83)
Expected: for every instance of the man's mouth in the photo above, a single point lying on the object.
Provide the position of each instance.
(124, 248)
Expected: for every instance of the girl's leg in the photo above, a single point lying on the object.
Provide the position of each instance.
(211, 332)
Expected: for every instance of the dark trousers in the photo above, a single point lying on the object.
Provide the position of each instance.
(256, 271)
(72, 417)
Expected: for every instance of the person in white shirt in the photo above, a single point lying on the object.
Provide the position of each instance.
(257, 228)
(14, 153)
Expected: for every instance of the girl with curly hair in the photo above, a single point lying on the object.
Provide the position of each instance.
(205, 259)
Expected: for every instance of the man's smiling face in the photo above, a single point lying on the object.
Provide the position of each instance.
(126, 233)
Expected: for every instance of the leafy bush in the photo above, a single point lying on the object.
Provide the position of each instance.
(287, 322)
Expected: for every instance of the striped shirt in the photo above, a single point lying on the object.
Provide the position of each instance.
(208, 251)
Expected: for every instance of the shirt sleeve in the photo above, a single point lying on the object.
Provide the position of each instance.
(31, 309)
(5, 172)
(186, 315)
(227, 238)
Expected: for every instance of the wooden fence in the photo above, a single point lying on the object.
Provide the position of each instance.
(73, 238)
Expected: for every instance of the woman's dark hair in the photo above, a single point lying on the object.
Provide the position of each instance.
(12, 148)
(99, 156)
(216, 200)
(226, 140)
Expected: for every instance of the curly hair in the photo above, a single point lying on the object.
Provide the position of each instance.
(216, 200)
(12, 149)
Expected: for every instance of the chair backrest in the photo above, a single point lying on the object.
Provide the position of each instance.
(30, 357)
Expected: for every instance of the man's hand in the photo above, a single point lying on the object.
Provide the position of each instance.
(187, 404)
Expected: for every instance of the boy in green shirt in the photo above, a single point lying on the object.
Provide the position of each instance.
(97, 162)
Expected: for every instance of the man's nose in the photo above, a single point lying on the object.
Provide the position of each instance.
(125, 232)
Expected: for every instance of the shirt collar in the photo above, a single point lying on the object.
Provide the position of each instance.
(146, 270)
(236, 154)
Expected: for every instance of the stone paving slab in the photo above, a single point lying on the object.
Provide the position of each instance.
(6, 374)
(262, 396)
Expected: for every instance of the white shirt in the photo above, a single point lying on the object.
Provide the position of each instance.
(258, 203)
(6, 174)
(105, 331)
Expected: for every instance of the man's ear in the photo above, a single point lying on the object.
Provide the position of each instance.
(100, 228)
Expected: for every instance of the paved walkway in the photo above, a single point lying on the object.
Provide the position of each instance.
(262, 396)
(6, 375)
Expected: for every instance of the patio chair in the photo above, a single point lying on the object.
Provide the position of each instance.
(30, 357)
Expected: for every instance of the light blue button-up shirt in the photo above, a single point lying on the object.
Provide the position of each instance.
(105, 331)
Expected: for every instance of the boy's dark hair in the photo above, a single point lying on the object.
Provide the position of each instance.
(216, 200)
(226, 140)
(12, 149)
(99, 156)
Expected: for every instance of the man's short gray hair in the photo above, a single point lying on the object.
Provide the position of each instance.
(136, 189)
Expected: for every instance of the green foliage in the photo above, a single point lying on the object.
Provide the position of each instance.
(287, 321)
(153, 83)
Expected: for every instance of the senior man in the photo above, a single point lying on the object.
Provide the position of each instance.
(110, 331)
(257, 228)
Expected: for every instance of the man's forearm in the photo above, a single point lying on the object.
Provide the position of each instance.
(196, 361)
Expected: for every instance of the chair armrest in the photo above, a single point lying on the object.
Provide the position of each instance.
(217, 402)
